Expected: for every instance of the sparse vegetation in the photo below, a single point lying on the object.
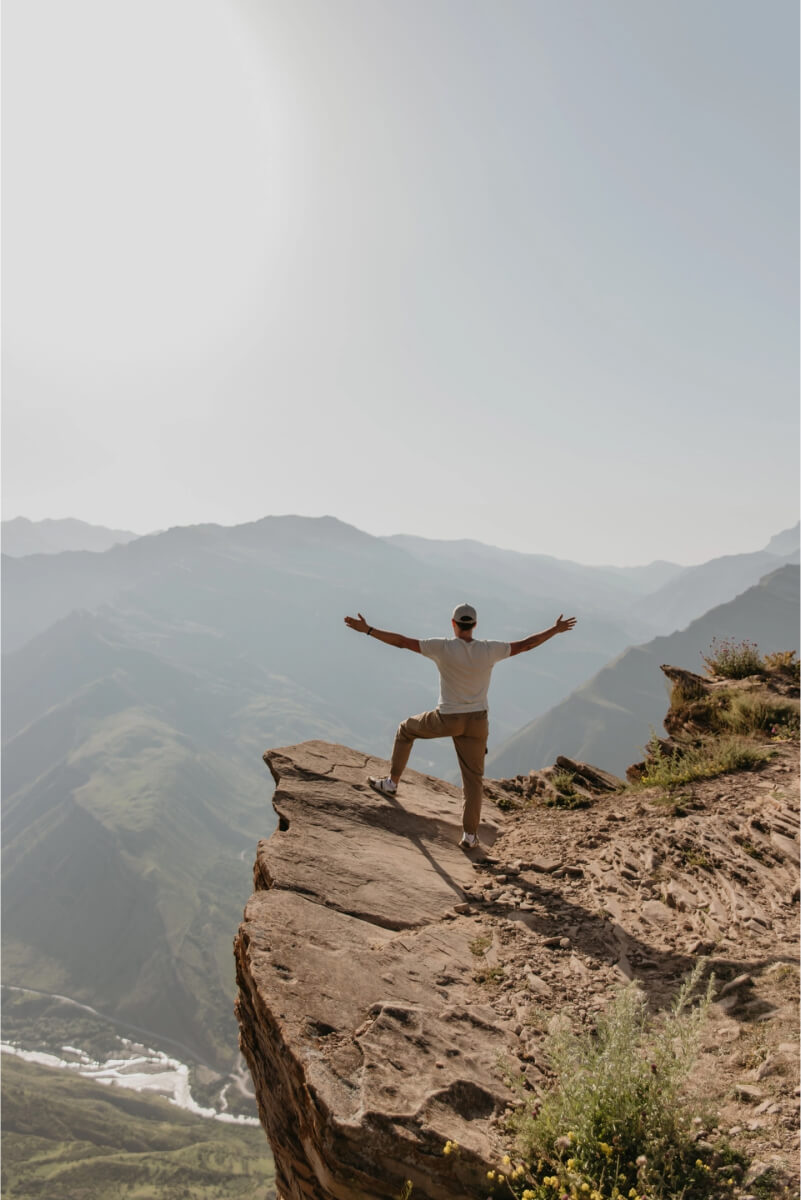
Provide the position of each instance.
(565, 794)
(617, 1122)
(65, 1137)
(785, 662)
(507, 803)
(710, 757)
(489, 975)
(564, 781)
(733, 660)
(481, 944)
(686, 692)
(759, 712)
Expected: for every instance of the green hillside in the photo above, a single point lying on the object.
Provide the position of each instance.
(65, 1138)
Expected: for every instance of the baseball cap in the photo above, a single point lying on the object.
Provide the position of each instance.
(464, 614)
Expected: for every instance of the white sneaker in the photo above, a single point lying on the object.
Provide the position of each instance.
(470, 840)
(384, 787)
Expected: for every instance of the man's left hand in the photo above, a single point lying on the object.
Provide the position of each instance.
(358, 624)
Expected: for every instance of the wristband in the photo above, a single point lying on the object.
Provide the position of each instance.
(370, 630)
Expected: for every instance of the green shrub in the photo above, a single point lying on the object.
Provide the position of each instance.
(563, 781)
(786, 662)
(758, 712)
(618, 1118)
(565, 795)
(733, 660)
(686, 692)
(714, 756)
(481, 944)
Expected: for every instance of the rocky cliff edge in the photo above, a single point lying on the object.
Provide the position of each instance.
(390, 983)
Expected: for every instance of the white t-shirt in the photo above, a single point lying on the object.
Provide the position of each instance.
(464, 671)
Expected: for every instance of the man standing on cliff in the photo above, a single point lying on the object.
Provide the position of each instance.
(465, 666)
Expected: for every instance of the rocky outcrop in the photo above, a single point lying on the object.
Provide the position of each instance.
(354, 970)
(390, 984)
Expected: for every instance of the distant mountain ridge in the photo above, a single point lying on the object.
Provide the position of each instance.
(609, 719)
(21, 536)
(143, 684)
(141, 687)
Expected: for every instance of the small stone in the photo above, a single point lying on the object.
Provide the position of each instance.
(766, 1068)
(734, 1130)
(551, 943)
(698, 946)
(545, 865)
(757, 1168)
(744, 1091)
(537, 984)
(734, 984)
(462, 909)
(728, 1003)
(564, 943)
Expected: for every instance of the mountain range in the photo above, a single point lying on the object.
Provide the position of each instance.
(21, 536)
(610, 718)
(142, 684)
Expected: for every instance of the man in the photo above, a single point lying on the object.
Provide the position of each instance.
(465, 666)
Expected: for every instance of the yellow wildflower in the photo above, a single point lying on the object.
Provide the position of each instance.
(585, 1187)
(490, 1174)
(506, 1160)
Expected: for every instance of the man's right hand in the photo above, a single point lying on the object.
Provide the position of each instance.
(564, 624)
(358, 623)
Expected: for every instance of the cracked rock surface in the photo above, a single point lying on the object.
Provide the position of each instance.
(366, 1044)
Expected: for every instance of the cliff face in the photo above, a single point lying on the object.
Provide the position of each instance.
(384, 974)
(354, 972)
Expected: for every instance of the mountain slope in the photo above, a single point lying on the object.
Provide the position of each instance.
(145, 685)
(64, 1137)
(698, 589)
(142, 687)
(21, 536)
(609, 718)
(785, 542)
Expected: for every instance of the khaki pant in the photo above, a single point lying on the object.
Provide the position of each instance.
(469, 732)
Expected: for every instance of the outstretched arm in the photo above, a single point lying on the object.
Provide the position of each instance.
(563, 625)
(359, 625)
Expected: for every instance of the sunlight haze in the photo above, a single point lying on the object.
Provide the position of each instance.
(524, 273)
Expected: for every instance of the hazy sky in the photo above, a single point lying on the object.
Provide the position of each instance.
(520, 270)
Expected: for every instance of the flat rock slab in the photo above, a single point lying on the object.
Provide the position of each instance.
(393, 861)
(354, 973)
